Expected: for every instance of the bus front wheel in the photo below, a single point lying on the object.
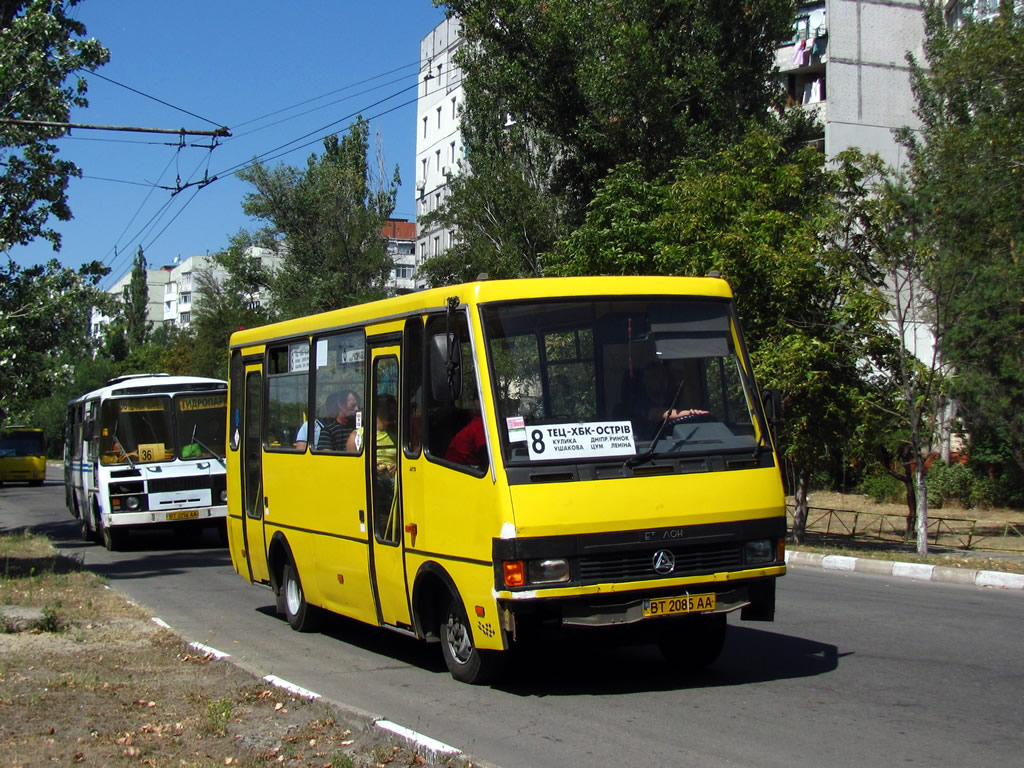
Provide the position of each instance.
(113, 538)
(465, 662)
(693, 642)
(302, 616)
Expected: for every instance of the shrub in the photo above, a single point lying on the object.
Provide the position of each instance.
(950, 483)
(882, 488)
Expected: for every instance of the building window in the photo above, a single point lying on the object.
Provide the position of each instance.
(438, 154)
(438, 117)
(186, 298)
(424, 126)
(455, 110)
(186, 318)
(437, 245)
(452, 154)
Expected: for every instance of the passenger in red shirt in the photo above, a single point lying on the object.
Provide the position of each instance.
(469, 446)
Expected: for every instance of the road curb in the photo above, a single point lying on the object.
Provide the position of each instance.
(914, 571)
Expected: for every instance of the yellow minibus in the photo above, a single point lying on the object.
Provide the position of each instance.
(479, 464)
(22, 455)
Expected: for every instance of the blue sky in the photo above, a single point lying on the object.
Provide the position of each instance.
(278, 75)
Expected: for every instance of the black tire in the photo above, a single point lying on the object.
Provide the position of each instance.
(113, 538)
(302, 616)
(465, 662)
(694, 642)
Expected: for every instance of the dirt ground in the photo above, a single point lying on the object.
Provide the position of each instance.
(92, 680)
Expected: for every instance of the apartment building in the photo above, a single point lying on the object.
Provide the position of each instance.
(846, 62)
(439, 149)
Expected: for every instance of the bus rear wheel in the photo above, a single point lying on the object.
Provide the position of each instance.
(302, 616)
(693, 642)
(465, 662)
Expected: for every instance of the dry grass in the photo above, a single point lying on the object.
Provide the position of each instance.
(96, 682)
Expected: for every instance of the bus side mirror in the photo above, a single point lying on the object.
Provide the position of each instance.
(445, 367)
(771, 399)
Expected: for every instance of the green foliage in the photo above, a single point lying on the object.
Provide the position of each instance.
(135, 306)
(44, 322)
(560, 93)
(40, 47)
(950, 483)
(327, 220)
(967, 171)
(218, 715)
(882, 488)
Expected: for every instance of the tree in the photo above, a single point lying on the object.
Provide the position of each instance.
(223, 306)
(771, 220)
(967, 171)
(136, 304)
(327, 221)
(560, 92)
(45, 313)
(40, 47)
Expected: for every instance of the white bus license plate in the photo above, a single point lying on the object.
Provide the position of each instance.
(668, 606)
(185, 514)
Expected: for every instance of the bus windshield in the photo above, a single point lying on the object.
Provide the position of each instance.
(136, 430)
(140, 430)
(22, 442)
(202, 427)
(641, 377)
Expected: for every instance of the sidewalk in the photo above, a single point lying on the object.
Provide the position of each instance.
(918, 571)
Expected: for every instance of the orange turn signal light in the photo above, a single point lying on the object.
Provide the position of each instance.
(515, 573)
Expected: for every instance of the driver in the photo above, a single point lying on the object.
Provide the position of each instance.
(654, 402)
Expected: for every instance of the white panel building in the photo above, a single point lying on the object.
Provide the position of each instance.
(439, 149)
(847, 63)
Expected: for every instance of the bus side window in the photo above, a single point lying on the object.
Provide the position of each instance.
(287, 397)
(412, 387)
(339, 384)
(454, 428)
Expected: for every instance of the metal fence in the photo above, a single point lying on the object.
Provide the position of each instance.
(952, 532)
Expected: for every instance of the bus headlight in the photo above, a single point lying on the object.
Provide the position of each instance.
(550, 571)
(132, 503)
(758, 551)
(224, 496)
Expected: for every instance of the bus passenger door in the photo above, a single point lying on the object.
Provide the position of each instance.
(385, 493)
(252, 476)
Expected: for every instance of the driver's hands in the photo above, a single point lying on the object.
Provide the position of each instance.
(677, 414)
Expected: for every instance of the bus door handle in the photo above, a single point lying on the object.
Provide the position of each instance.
(412, 530)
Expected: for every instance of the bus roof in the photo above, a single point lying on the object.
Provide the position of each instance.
(152, 384)
(483, 291)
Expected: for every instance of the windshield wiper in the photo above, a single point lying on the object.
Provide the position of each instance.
(120, 447)
(206, 448)
(635, 461)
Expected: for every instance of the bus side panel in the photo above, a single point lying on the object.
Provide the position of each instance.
(455, 522)
(315, 502)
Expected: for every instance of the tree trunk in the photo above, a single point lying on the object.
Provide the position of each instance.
(910, 482)
(800, 512)
(922, 509)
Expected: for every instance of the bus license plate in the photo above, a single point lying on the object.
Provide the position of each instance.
(669, 606)
(185, 514)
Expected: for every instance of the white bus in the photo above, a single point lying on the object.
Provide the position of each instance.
(144, 450)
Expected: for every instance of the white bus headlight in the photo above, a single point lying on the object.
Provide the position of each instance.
(132, 503)
(758, 551)
(549, 571)
(224, 496)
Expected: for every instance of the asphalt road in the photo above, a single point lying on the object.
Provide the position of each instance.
(855, 671)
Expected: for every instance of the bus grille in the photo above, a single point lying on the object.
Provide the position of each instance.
(637, 566)
(171, 484)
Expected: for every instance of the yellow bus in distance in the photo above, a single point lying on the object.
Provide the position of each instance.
(480, 464)
(22, 455)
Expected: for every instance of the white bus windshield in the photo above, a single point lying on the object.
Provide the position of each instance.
(141, 430)
(584, 379)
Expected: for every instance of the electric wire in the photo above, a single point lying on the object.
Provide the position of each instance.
(154, 98)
